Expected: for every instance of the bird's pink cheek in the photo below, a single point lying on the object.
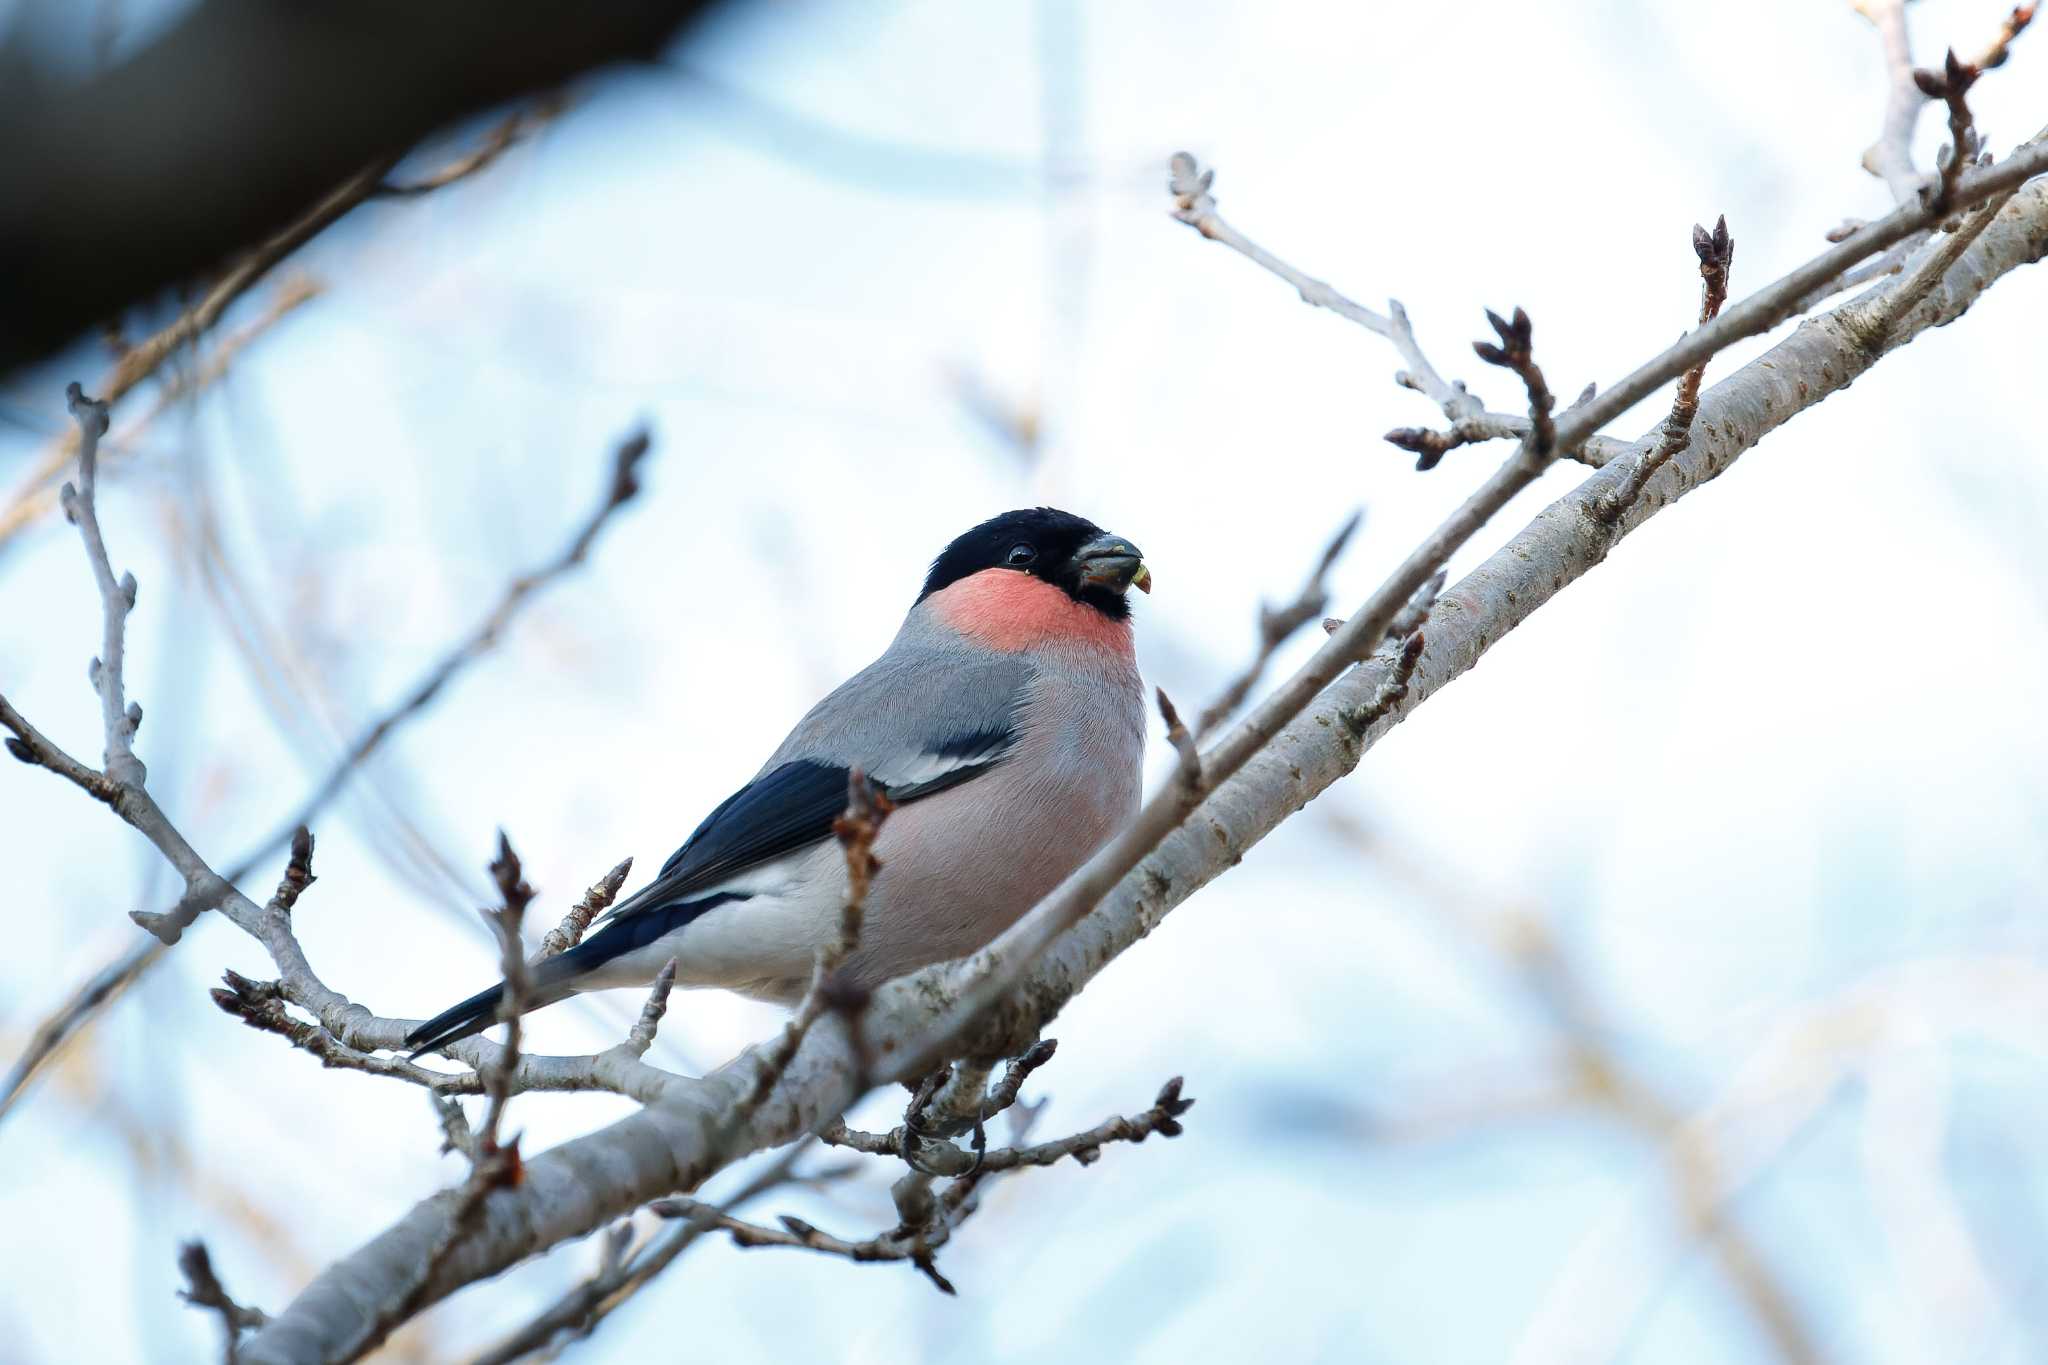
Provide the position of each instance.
(1009, 611)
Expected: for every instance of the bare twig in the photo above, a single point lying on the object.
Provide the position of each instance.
(1430, 446)
(1950, 85)
(1516, 352)
(595, 902)
(1392, 692)
(262, 1006)
(642, 1035)
(117, 597)
(1195, 206)
(1086, 1146)
(1716, 251)
(203, 1289)
(298, 873)
(1276, 627)
(928, 1221)
(506, 922)
(1190, 770)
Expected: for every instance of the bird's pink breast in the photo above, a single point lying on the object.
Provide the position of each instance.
(1007, 610)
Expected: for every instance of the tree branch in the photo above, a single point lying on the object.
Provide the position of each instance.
(581, 1185)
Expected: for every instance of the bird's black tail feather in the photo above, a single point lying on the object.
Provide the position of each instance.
(457, 1022)
(552, 979)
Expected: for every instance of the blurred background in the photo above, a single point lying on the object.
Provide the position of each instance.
(1673, 988)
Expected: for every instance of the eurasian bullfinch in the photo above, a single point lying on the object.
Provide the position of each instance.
(1006, 722)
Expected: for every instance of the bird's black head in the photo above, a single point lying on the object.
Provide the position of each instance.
(1070, 552)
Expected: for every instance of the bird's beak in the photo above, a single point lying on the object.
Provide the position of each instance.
(1113, 562)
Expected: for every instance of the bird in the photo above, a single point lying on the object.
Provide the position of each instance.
(1005, 722)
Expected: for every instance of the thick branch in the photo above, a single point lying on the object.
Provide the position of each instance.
(582, 1185)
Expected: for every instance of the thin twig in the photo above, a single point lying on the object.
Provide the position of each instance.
(1189, 772)
(1951, 85)
(1516, 351)
(1716, 251)
(595, 902)
(1391, 693)
(1430, 446)
(641, 1037)
(1276, 627)
(927, 1222)
(117, 596)
(506, 923)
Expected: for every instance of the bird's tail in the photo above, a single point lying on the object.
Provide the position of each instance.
(557, 977)
(552, 982)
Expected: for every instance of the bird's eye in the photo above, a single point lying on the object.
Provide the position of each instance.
(1020, 555)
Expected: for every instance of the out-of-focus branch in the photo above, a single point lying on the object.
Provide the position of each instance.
(1276, 627)
(203, 1289)
(137, 363)
(2000, 47)
(36, 495)
(224, 129)
(1598, 1076)
(1890, 158)
(106, 985)
(509, 133)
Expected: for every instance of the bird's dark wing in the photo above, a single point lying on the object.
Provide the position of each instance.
(918, 720)
(793, 806)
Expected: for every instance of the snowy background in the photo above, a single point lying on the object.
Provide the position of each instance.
(1769, 782)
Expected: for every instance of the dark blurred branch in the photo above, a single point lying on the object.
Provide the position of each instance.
(242, 114)
(203, 1289)
(142, 360)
